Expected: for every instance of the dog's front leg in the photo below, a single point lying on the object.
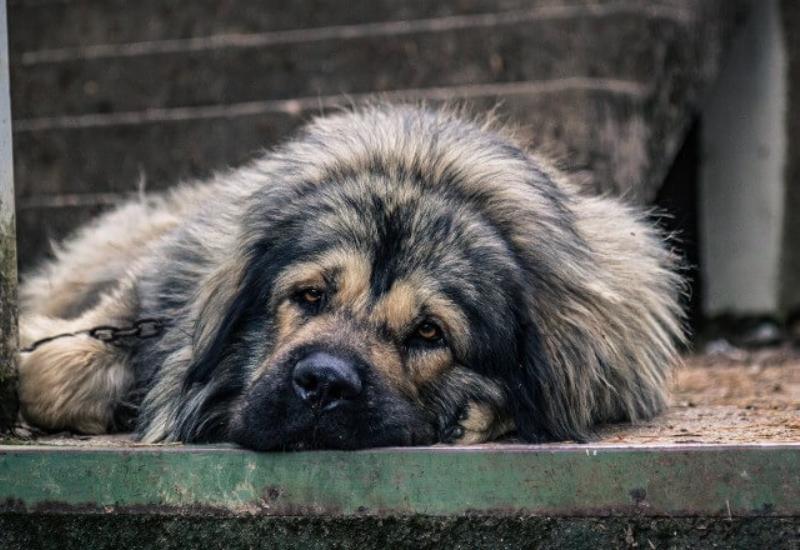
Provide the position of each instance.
(74, 383)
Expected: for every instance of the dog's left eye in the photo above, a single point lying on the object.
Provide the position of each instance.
(427, 333)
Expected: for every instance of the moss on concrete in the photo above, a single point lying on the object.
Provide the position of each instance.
(8, 321)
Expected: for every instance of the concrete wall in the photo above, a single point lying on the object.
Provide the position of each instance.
(106, 92)
(743, 159)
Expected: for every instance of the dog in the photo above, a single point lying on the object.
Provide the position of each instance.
(395, 275)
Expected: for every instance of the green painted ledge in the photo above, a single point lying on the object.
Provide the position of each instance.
(498, 496)
(586, 480)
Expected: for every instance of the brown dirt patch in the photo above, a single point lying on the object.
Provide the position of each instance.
(731, 397)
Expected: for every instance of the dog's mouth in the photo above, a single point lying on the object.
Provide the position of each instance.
(327, 401)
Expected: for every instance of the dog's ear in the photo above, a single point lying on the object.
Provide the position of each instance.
(597, 344)
(548, 395)
(528, 383)
(220, 306)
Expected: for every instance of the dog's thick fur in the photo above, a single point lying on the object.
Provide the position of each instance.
(558, 311)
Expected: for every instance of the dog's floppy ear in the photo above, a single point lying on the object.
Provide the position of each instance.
(220, 306)
(553, 390)
(533, 386)
(602, 326)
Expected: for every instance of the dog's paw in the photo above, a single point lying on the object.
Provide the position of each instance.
(72, 384)
(475, 423)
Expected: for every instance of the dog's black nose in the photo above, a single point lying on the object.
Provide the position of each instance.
(324, 381)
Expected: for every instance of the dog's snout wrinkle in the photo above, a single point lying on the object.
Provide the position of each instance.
(325, 381)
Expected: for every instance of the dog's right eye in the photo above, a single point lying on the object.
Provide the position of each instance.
(310, 299)
(312, 295)
(429, 332)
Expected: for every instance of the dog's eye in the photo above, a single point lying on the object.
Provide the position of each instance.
(312, 295)
(429, 332)
(427, 335)
(310, 299)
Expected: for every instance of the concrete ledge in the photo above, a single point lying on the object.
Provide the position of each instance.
(500, 496)
(723, 481)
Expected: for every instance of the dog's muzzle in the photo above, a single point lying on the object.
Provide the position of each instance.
(326, 397)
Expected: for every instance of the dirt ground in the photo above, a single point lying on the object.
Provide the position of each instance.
(727, 396)
(730, 396)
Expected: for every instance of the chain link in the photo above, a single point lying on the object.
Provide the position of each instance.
(141, 329)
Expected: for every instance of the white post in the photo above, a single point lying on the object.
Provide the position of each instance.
(742, 193)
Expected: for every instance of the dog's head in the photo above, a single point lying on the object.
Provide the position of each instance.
(423, 267)
(369, 314)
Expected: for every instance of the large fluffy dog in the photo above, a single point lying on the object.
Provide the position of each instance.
(394, 276)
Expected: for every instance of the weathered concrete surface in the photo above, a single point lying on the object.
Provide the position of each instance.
(139, 531)
(84, 23)
(612, 83)
(520, 46)
(8, 320)
(500, 480)
(111, 156)
(743, 160)
(502, 496)
(112, 159)
(8, 257)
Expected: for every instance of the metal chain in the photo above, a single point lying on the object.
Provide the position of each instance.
(141, 329)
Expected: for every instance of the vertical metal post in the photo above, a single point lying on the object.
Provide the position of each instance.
(8, 245)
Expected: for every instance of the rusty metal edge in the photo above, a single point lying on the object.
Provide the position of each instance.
(500, 480)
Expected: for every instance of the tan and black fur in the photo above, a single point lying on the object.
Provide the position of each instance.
(553, 311)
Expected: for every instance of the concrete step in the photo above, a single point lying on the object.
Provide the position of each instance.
(611, 86)
(75, 23)
(110, 153)
(510, 47)
(495, 496)
(67, 174)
